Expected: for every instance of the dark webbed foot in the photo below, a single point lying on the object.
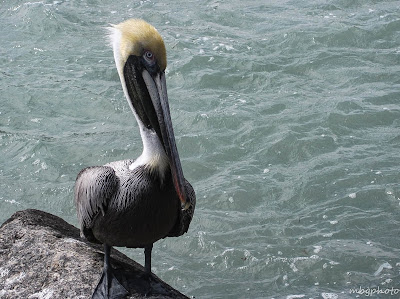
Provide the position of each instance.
(109, 287)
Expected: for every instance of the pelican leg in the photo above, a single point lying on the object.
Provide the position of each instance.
(109, 286)
(147, 259)
(147, 268)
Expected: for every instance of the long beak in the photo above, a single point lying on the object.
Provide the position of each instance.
(157, 89)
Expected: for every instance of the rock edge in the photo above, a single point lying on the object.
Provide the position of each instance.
(42, 256)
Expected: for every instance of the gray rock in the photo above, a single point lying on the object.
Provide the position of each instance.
(42, 256)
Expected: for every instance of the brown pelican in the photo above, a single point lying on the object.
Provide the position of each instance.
(134, 203)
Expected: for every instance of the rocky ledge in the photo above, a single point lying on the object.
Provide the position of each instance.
(42, 256)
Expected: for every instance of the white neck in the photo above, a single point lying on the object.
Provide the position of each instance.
(153, 156)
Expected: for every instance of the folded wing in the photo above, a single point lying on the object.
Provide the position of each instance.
(94, 188)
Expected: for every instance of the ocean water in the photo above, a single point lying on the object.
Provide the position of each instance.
(287, 118)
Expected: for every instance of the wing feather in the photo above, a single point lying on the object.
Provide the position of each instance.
(94, 188)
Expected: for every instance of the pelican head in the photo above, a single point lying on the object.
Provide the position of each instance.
(140, 57)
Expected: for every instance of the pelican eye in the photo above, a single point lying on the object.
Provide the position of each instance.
(149, 57)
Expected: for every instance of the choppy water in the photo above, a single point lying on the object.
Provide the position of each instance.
(287, 119)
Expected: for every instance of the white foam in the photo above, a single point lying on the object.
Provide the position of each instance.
(12, 201)
(385, 265)
(353, 195)
(317, 249)
(329, 295)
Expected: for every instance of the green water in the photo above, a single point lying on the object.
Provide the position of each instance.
(287, 120)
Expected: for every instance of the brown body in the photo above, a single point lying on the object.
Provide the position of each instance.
(138, 210)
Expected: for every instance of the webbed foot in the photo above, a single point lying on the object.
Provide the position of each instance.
(109, 287)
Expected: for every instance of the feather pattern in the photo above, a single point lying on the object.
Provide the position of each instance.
(103, 193)
(94, 188)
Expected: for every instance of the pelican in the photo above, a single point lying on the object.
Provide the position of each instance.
(134, 203)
